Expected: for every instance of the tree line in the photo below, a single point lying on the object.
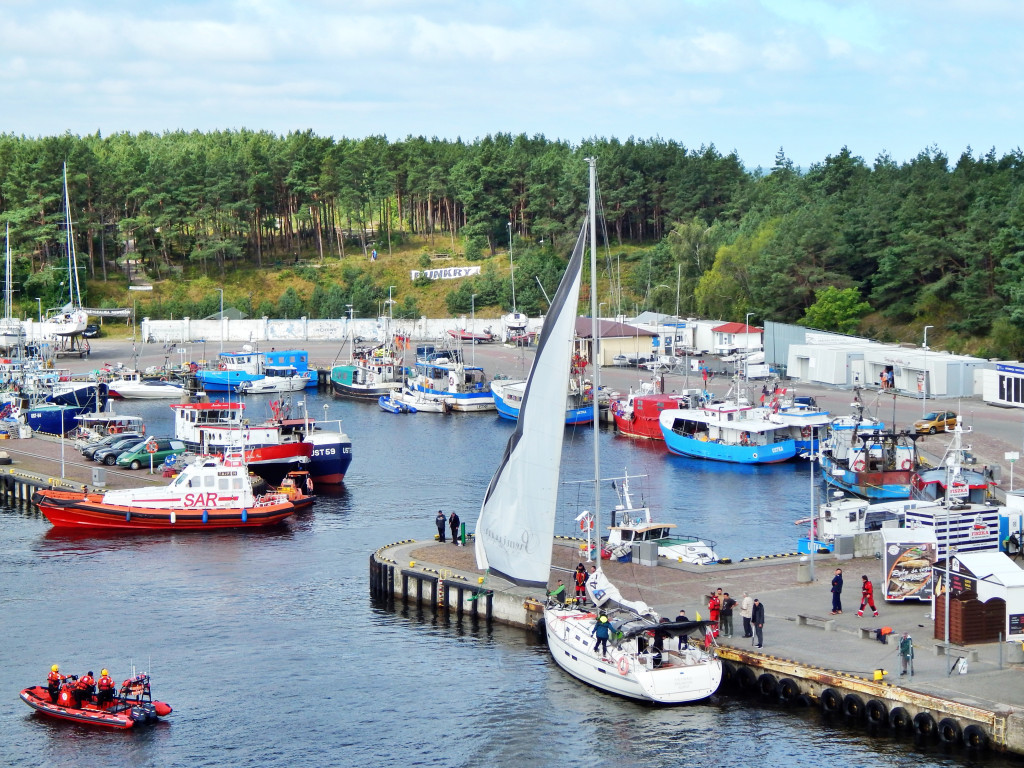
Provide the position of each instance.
(684, 228)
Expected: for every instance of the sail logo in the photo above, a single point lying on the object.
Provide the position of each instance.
(509, 543)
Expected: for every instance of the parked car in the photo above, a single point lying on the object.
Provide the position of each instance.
(109, 440)
(109, 454)
(936, 421)
(91, 331)
(140, 455)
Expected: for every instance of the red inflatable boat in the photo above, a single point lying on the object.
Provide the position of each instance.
(132, 706)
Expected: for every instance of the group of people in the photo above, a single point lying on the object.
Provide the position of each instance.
(867, 594)
(720, 610)
(580, 577)
(886, 379)
(452, 522)
(83, 688)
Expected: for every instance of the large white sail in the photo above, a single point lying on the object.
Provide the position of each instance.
(517, 518)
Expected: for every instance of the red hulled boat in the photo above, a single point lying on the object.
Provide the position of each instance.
(638, 415)
(211, 492)
(132, 706)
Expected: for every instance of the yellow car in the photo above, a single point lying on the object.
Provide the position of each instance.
(936, 421)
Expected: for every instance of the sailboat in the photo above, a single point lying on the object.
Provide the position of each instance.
(70, 320)
(516, 527)
(12, 334)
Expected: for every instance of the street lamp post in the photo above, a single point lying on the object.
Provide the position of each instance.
(472, 312)
(924, 382)
(221, 290)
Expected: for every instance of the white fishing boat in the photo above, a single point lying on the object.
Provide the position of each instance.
(634, 525)
(516, 528)
(283, 379)
(131, 385)
(422, 402)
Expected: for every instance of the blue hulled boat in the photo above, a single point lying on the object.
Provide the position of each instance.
(727, 431)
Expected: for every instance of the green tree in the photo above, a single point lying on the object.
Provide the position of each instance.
(836, 310)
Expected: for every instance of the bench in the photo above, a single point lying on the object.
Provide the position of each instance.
(948, 649)
(804, 620)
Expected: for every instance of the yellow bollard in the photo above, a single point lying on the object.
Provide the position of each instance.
(412, 563)
(880, 675)
(480, 580)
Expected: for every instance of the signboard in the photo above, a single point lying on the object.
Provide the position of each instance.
(959, 490)
(908, 568)
(448, 273)
(1017, 623)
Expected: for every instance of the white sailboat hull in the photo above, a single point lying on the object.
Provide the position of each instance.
(685, 676)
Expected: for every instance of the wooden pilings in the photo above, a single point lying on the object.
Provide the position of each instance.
(429, 590)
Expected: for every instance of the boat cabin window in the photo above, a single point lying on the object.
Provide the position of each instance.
(222, 483)
(208, 481)
(236, 483)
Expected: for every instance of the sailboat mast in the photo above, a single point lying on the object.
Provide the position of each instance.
(595, 326)
(74, 294)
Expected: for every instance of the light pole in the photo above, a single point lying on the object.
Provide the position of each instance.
(924, 382)
(472, 312)
(746, 342)
(221, 290)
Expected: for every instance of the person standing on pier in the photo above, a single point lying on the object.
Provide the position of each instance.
(746, 607)
(714, 611)
(453, 523)
(727, 605)
(906, 654)
(757, 619)
(837, 592)
(867, 596)
(440, 522)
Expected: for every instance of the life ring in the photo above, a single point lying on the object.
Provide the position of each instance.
(805, 432)
(906, 464)
(112, 430)
(623, 665)
(858, 465)
(222, 367)
(163, 378)
(370, 378)
(451, 380)
(428, 383)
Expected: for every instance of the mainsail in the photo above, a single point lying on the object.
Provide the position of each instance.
(517, 519)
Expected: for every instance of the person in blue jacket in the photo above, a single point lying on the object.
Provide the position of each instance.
(602, 631)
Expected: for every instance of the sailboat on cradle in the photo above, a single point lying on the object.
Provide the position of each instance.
(12, 334)
(515, 532)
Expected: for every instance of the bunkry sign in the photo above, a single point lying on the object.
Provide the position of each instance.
(448, 273)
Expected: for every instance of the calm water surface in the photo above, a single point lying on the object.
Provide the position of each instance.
(272, 654)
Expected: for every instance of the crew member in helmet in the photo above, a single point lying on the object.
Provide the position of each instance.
(106, 688)
(84, 689)
(53, 681)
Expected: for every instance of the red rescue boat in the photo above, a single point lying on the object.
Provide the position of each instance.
(211, 492)
(132, 706)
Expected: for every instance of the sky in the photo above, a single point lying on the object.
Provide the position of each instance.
(808, 77)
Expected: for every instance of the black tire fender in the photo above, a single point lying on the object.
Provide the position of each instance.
(900, 720)
(975, 737)
(924, 724)
(950, 731)
(745, 679)
(831, 701)
(728, 674)
(853, 706)
(768, 686)
(878, 713)
(788, 690)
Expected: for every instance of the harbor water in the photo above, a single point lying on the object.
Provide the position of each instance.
(272, 653)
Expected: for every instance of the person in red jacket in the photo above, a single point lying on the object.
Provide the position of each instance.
(714, 609)
(580, 579)
(84, 688)
(867, 596)
(53, 681)
(106, 688)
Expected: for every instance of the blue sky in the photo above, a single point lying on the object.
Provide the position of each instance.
(809, 76)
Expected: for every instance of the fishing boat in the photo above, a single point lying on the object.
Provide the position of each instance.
(516, 527)
(861, 456)
(211, 492)
(133, 705)
(638, 415)
(371, 371)
(269, 450)
(508, 395)
(240, 371)
(806, 423)
(634, 525)
(727, 430)
(285, 379)
(332, 447)
(391, 405)
(464, 386)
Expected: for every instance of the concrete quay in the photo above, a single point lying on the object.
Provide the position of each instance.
(834, 668)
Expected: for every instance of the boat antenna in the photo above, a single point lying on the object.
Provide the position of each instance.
(595, 326)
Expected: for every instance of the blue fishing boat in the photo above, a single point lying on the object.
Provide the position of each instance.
(862, 457)
(508, 395)
(727, 431)
(464, 386)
